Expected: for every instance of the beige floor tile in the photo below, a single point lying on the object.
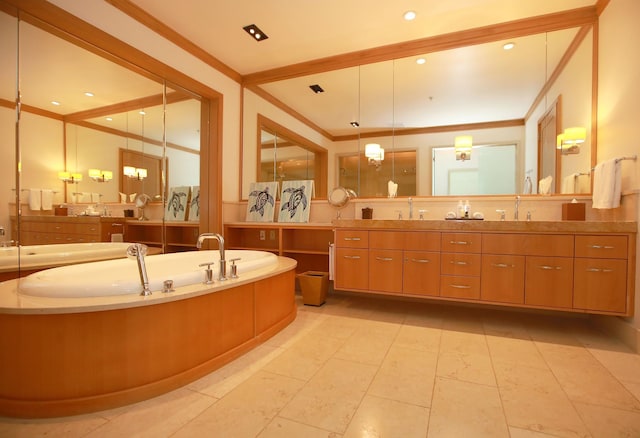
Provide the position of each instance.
(71, 427)
(418, 338)
(461, 342)
(246, 410)
(508, 349)
(380, 417)
(516, 432)
(305, 357)
(369, 344)
(622, 363)
(535, 380)
(406, 375)
(303, 323)
(331, 398)
(609, 422)
(223, 380)
(281, 428)
(475, 368)
(504, 324)
(157, 417)
(425, 316)
(338, 327)
(463, 409)
(633, 388)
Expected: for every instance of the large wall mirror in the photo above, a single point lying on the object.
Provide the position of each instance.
(495, 95)
(86, 115)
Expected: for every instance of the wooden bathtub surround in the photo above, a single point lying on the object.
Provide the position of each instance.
(62, 364)
(586, 267)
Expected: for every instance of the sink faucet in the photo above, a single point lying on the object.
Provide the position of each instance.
(222, 275)
(515, 213)
(139, 250)
(410, 208)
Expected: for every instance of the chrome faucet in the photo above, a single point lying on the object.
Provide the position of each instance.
(515, 213)
(139, 250)
(410, 208)
(222, 275)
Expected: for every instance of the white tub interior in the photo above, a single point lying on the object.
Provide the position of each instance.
(121, 276)
(32, 255)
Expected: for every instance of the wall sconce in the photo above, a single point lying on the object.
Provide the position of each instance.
(69, 177)
(462, 147)
(570, 140)
(100, 175)
(139, 173)
(374, 153)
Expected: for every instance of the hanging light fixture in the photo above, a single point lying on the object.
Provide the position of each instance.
(100, 175)
(69, 177)
(138, 173)
(570, 140)
(462, 146)
(374, 153)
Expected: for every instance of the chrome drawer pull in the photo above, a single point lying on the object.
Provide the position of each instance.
(459, 242)
(385, 259)
(352, 238)
(601, 247)
(599, 270)
(421, 260)
(549, 268)
(459, 286)
(453, 262)
(351, 257)
(502, 265)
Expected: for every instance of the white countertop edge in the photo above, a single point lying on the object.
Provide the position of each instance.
(12, 302)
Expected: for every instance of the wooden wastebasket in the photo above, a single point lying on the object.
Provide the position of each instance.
(314, 286)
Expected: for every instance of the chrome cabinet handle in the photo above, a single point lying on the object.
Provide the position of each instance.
(601, 247)
(599, 270)
(352, 238)
(460, 286)
(385, 259)
(454, 262)
(421, 260)
(502, 265)
(549, 268)
(460, 242)
(351, 257)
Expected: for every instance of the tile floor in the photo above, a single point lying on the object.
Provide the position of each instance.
(371, 367)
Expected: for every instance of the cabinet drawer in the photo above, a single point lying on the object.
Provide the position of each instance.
(606, 247)
(386, 239)
(600, 284)
(460, 264)
(528, 244)
(421, 241)
(549, 281)
(460, 287)
(461, 242)
(352, 239)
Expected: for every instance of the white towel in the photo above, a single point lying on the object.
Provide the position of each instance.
(569, 183)
(85, 197)
(47, 199)
(35, 199)
(544, 185)
(607, 179)
(95, 197)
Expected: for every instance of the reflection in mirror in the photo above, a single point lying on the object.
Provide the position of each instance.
(397, 166)
(286, 156)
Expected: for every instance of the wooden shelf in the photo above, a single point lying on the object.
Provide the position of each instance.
(180, 236)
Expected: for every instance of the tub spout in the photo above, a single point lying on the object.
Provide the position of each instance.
(138, 250)
(222, 275)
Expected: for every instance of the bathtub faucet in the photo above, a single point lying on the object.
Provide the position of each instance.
(139, 250)
(222, 275)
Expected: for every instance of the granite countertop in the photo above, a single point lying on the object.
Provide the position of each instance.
(495, 226)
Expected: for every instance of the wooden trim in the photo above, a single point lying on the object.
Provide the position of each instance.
(594, 97)
(165, 31)
(601, 6)
(480, 35)
(433, 129)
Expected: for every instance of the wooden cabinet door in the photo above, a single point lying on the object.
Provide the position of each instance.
(385, 270)
(600, 284)
(502, 278)
(421, 273)
(351, 269)
(549, 282)
(460, 287)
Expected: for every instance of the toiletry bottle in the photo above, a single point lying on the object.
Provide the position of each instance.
(460, 210)
(467, 210)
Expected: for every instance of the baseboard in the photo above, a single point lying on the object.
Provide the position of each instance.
(620, 329)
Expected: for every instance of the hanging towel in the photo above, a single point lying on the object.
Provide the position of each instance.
(544, 185)
(35, 199)
(569, 183)
(607, 179)
(95, 197)
(47, 199)
(85, 197)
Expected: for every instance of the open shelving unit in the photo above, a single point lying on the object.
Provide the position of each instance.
(180, 236)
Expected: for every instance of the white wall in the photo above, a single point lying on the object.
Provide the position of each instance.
(619, 99)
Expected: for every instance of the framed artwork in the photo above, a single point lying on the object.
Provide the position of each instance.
(193, 212)
(177, 203)
(295, 201)
(261, 201)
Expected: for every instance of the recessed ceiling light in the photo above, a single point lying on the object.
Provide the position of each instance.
(316, 88)
(142, 113)
(509, 46)
(354, 124)
(255, 32)
(109, 119)
(55, 102)
(420, 61)
(88, 93)
(409, 15)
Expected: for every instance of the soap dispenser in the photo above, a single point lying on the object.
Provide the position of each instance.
(467, 210)
(460, 210)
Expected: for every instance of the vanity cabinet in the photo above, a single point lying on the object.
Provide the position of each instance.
(46, 230)
(558, 270)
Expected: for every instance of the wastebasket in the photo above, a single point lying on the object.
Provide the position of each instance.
(314, 286)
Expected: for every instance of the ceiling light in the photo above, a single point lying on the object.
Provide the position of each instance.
(55, 102)
(316, 88)
(109, 119)
(88, 93)
(409, 15)
(509, 46)
(420, 61)
(355, 124)
(255, 32)
(142, 113)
